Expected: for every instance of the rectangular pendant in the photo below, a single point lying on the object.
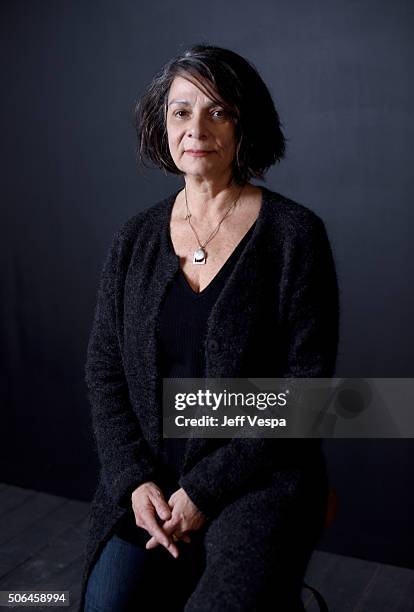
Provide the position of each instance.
(200, 256)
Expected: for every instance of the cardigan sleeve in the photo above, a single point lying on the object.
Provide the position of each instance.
(123, 453)
(309, 311)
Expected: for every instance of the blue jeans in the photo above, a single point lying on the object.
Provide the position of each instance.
(129, 578)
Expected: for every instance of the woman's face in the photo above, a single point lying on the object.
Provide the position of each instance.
(197, 123)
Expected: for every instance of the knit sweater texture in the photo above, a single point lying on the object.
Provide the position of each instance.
(181, 331)
(277, 316)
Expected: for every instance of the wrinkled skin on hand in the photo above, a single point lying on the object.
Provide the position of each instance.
(179, 516)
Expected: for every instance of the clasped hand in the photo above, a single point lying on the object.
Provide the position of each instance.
(179, 516)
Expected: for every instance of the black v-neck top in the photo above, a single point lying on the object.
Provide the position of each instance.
(182, 329)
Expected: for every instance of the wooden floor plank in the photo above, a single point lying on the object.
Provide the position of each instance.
(391, 589)
(69, 579)
(343, 582)
(74, 605)
(39, 534)
(27, 513)
(318, 567)
(12, 497)
(51, 560)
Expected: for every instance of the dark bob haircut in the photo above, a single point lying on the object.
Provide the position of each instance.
(229, 80)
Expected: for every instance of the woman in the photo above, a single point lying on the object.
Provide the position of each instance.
(220, 279)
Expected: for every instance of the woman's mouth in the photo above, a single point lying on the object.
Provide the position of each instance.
(197, 153)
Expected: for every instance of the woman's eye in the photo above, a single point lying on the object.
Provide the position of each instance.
(217, 114)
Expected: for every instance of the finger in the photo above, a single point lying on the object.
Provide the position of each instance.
(162, 508)
(173, 549)
(172, 526)
(154, 529)
(183, 537)
(167, 542)
(151, 525)
(152, 543)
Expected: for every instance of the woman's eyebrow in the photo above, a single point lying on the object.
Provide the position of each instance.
(175, 101)
(187, 103)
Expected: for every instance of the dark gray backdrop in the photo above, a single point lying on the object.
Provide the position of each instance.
(341, 76)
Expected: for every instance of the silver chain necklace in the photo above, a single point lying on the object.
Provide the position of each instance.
(200, 254)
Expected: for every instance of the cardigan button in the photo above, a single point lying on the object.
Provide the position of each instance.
(213, 345)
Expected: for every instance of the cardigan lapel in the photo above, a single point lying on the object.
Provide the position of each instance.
(232, 315)
(227, 327)
(151, 269)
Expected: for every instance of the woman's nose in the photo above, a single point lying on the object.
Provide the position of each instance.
(197, 127)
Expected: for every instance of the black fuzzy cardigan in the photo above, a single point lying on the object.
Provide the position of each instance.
(277, 316)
